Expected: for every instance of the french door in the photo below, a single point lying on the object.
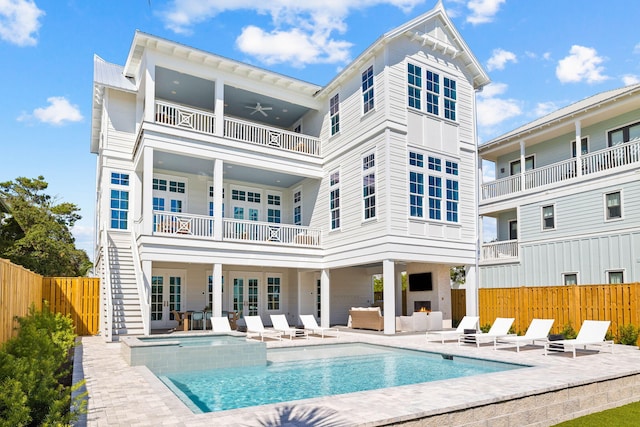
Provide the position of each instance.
(245, 299)
(167, 290)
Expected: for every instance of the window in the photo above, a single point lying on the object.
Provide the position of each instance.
(414, 86)
(159, 184)
(513, 229)
(584, 147)
(273, 293)
(119, 202)
(238, 195)
(297, 207)
(433, 92)
(273, 212)
(120, 178)
(369, 186)
(334, 188)
(624, 134)
(437, 177)
(570, 278)
(416, 194)
(210, 200)
(158, 204)
(548, 218)
(452, 200)
(613, 205)
(435, 197)
(255, 197)
(449, 99)
(529, 163)
(176, 187)
(367, 90)
(615, 277)
(334, 114)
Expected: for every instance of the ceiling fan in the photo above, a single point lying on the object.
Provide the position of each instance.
(259, 109)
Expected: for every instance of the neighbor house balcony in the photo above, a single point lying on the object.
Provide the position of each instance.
(201, 121)
(564, 172)
(502, 251)
(186, 225)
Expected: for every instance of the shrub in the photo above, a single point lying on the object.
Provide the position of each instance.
(628, 335)
(34, 366)
(568, 332)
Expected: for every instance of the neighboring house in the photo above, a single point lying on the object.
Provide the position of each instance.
(571, 215)
(228, 186)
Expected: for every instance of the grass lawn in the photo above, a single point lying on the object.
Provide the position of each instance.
(624, 416)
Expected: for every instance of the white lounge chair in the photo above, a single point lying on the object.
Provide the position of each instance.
(220, 324)
(256, 328)
(499, 329)
(592, 332)
(310, 323)
(538, 330)
(281, 324)
(467, 322)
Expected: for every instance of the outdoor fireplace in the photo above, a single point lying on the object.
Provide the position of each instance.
(424, 306)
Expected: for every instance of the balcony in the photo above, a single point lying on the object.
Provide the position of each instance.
(565, 171)
(184, 225)
(201, 121)
(506, 250)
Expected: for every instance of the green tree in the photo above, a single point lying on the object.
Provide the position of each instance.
(36, 233)
(458, 275)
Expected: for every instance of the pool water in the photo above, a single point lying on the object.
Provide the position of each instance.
(301, 373)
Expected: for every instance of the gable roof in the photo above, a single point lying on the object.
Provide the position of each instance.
(448, 41)
(591, 105)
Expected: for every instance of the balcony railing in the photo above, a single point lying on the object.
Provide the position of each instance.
(504, 250)
(201, 226)
(182, 117)
(241, 130)
(598, 161)
(270, 233)
(182, 224)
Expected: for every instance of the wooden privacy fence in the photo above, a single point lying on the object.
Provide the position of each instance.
(19, 288)
(76, 296)
(566, 304)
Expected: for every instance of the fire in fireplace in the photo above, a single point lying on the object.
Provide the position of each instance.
(422, 306)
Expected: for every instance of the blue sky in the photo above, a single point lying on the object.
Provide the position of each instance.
(541, 55)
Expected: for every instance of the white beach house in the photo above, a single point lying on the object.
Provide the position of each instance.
(225, 186)
(566, 199)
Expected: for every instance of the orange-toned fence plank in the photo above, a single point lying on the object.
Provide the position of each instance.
(76, 296)
(19, 288)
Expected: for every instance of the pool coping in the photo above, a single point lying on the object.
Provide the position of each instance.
(556, 388)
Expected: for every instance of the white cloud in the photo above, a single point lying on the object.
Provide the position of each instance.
(636, 48)
(493, 110)
(544, 108)
(582, 64)
(483, 11)
(19, 22)
(302, 32)
(499, 59)
(59, 112)
(630, 79)
(294, 47)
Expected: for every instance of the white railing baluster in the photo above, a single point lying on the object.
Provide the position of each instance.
(507, 249)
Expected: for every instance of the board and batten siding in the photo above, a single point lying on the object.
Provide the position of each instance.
(120, 115)
(500, 276)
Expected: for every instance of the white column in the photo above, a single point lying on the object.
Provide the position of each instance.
(578, 149)
(325, 298)
(218, 187)
(219, 107)
(136, 198)
(471, 283)
(522, 165)
(147, 191)
(216, 309)
(389, 296)
(398, 287)
(147, 271)
(149, 89)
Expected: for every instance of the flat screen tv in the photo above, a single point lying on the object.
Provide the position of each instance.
(420, 282)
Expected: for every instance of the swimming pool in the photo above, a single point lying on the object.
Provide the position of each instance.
(316, 371)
